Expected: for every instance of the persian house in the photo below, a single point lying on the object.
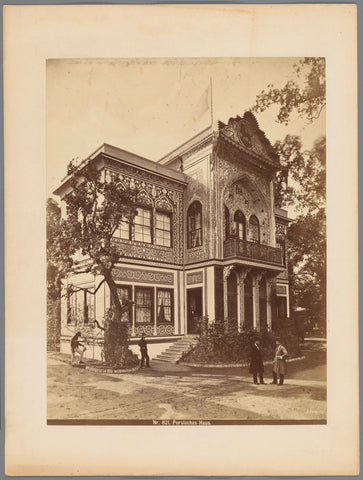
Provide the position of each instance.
(207, 240)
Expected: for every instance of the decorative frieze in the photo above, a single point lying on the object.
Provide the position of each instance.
(143, 276)
(195, 277)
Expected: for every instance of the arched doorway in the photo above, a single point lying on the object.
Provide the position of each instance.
(248, 302)
(232, 299)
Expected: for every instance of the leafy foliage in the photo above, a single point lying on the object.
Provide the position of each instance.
(83, 243)
(305, 94)
(53, 278)
(221, 345)
(305, 190)
(307, 234)
(53, 274)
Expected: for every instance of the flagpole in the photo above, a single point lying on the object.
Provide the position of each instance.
(211, 101)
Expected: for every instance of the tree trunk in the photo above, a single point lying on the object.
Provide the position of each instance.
(114, 295)
(116, 348)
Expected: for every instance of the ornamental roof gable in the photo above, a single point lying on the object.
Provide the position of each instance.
(245, 134)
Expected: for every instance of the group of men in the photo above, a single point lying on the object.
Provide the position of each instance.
(278, 364)
(76, 348)
(256, 364)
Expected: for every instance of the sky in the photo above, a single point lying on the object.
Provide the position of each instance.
(151, 106)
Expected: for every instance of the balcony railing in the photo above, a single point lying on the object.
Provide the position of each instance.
(235, 247)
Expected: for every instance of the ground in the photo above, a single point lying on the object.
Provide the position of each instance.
(177, 392)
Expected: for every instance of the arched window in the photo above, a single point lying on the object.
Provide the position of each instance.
(240, 225)
(194, 221)
(254, 228)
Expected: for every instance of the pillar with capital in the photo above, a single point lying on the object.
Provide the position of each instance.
(269, 281)
(226, 273)
(256, 300)
(242, 274)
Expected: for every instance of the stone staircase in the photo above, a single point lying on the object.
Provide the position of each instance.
(173, 353)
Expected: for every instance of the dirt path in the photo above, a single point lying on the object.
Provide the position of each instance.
(168, 391)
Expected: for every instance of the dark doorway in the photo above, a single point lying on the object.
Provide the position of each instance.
(195, 309)
(232, 299)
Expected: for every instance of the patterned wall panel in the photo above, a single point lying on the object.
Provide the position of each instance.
(245, 190)
(156, 192)
(194, 277)
(143, 276)
(147, 329)
(165, 329)
(198, 189)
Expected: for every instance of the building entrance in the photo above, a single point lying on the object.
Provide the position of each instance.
(195, 309)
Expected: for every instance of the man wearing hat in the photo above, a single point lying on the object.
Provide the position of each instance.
(279, 363)
(143, 350)
(256, 365)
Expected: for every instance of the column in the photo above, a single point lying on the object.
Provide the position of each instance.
(210, 291)
(268, 302)
(288, 301)
(133, 311)
(241, 297)
(239, 307)
(226, 272)
(155, 309)
(256, 300)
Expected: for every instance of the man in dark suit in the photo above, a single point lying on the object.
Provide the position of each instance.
(143, 350)
(256, 365)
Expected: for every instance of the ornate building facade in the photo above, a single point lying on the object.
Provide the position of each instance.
(207, 240)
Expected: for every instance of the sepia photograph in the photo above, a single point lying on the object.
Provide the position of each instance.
(181, 240)
(186, 241)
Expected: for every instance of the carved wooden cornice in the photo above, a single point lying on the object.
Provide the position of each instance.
(245, 135)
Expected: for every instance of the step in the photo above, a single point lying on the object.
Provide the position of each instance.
(176, 349)
(168, 354)
(170, 360)
(163, 355)
(163, 360)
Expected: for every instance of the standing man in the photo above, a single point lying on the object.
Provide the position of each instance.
(279, 363)
(256, 365)
(143, 350)
(75, 344)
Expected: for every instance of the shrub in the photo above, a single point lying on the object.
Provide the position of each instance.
(220, 343)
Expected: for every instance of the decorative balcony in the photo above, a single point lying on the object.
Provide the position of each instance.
(252, 251)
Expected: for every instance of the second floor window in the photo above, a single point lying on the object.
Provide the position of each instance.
(254, 228)
(194, 223)
(240, 225)
(163, 229)
(143, 225)
(123, 230)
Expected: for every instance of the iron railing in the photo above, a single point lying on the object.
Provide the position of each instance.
(235, 247)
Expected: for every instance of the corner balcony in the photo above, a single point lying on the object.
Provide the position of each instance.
(251, 251)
